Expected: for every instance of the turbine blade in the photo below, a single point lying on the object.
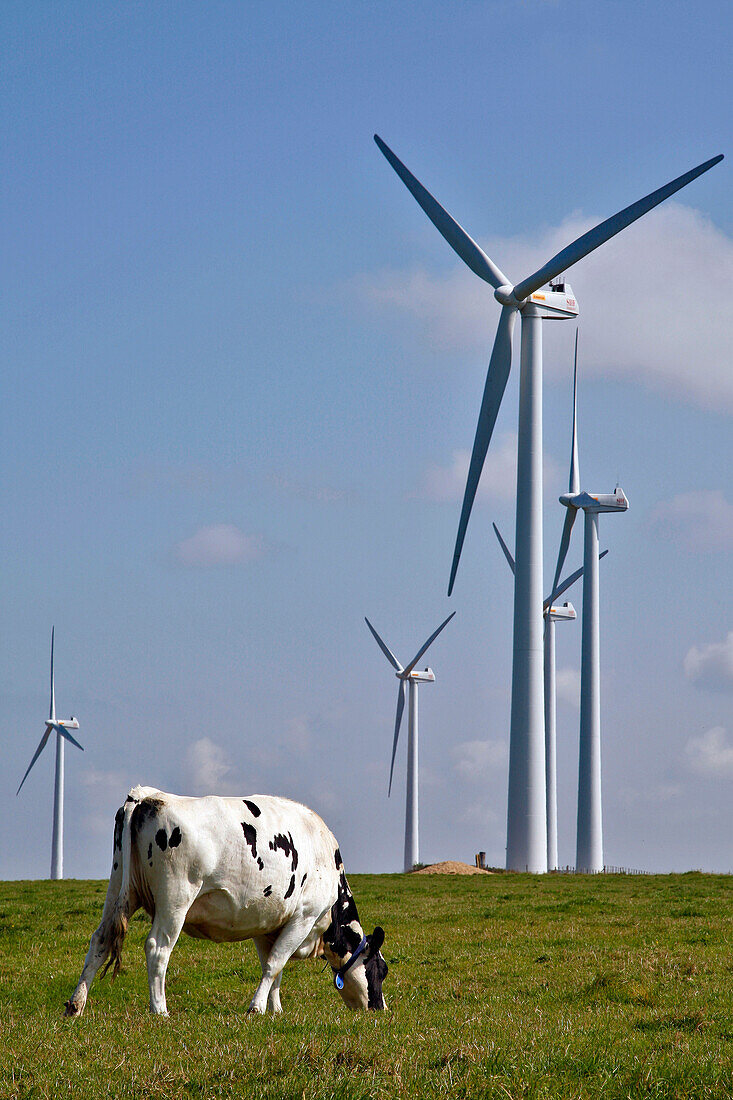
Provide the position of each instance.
(52, 711)
(564, 543)
(574, 481)
(561, 588)
(387, 652)
(427, 645)
(65, 733)
(605, 230)
(37, 753)
(505, 548)
(496, 380)
(447, 226)
(398, 719)
(567, 583)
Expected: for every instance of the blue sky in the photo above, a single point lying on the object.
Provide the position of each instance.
(242, 371)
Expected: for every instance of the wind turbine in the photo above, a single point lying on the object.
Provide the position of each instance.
(526, 820)
(62, 727)
(554, 613)
(589, 853)
(409, 675)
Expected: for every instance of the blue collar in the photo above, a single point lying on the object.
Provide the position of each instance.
(338, 977)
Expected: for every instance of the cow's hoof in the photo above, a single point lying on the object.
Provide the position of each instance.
(71, 1008)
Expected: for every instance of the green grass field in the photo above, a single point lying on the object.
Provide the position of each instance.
(499, 986)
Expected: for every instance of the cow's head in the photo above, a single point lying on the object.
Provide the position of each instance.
(361, 983)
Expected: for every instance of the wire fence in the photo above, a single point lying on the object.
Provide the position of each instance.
(608, 870)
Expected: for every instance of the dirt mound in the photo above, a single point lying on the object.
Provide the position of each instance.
(451, 867)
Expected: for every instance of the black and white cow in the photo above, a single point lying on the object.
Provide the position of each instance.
(228, 869)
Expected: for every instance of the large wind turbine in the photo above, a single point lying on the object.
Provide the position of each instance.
(526, 829)
(554, 613)
(589, 852)
(62, 727)
(409, 675)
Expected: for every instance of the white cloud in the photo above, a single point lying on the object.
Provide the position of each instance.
(674, 336)
(567, 686)
(700, 521)
(711, 753)
(711, 666)
(206, 767)
(220, 544)
(476, 759)
(498, 478)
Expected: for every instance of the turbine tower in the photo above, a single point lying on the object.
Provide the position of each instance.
(409, 675)
(589, 853)
(554, 613)
(526, 820)
(62, 727)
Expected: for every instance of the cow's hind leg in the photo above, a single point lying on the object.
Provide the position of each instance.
(166, 929)
(99, 947)
(264, 946)
(287, 942)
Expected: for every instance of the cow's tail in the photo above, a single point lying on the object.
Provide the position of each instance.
(117, 928)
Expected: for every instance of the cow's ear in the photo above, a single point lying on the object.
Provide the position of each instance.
(376, 940)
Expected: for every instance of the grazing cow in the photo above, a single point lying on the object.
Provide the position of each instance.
(227, 869)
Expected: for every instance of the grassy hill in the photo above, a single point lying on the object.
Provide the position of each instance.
(499, 986)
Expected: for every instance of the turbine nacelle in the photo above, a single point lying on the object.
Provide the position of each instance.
(561, 613)
(427, 676)
(617, 501)
(554, 302)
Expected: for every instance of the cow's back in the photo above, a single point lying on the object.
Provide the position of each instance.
(255, 860)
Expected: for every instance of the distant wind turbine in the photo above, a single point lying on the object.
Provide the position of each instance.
(62, 727)
(406, 676)
(554, 613)
(533, 301)
(589, 852)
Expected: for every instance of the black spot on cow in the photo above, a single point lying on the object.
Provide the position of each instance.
(267, 891)
(345, 902)
(343, 934)
(337, 857)
(305, 876)
(252, 807)
(250, 836)
(145, 811)
(150, 853)
(290, 888)
(286, 845)
(114, 865)
(175, 838)
(161, 839)
(119, 821)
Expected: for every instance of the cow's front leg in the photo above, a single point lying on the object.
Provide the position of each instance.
(273, 997)
(264, 945)
(158, 946)
(287, 942)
